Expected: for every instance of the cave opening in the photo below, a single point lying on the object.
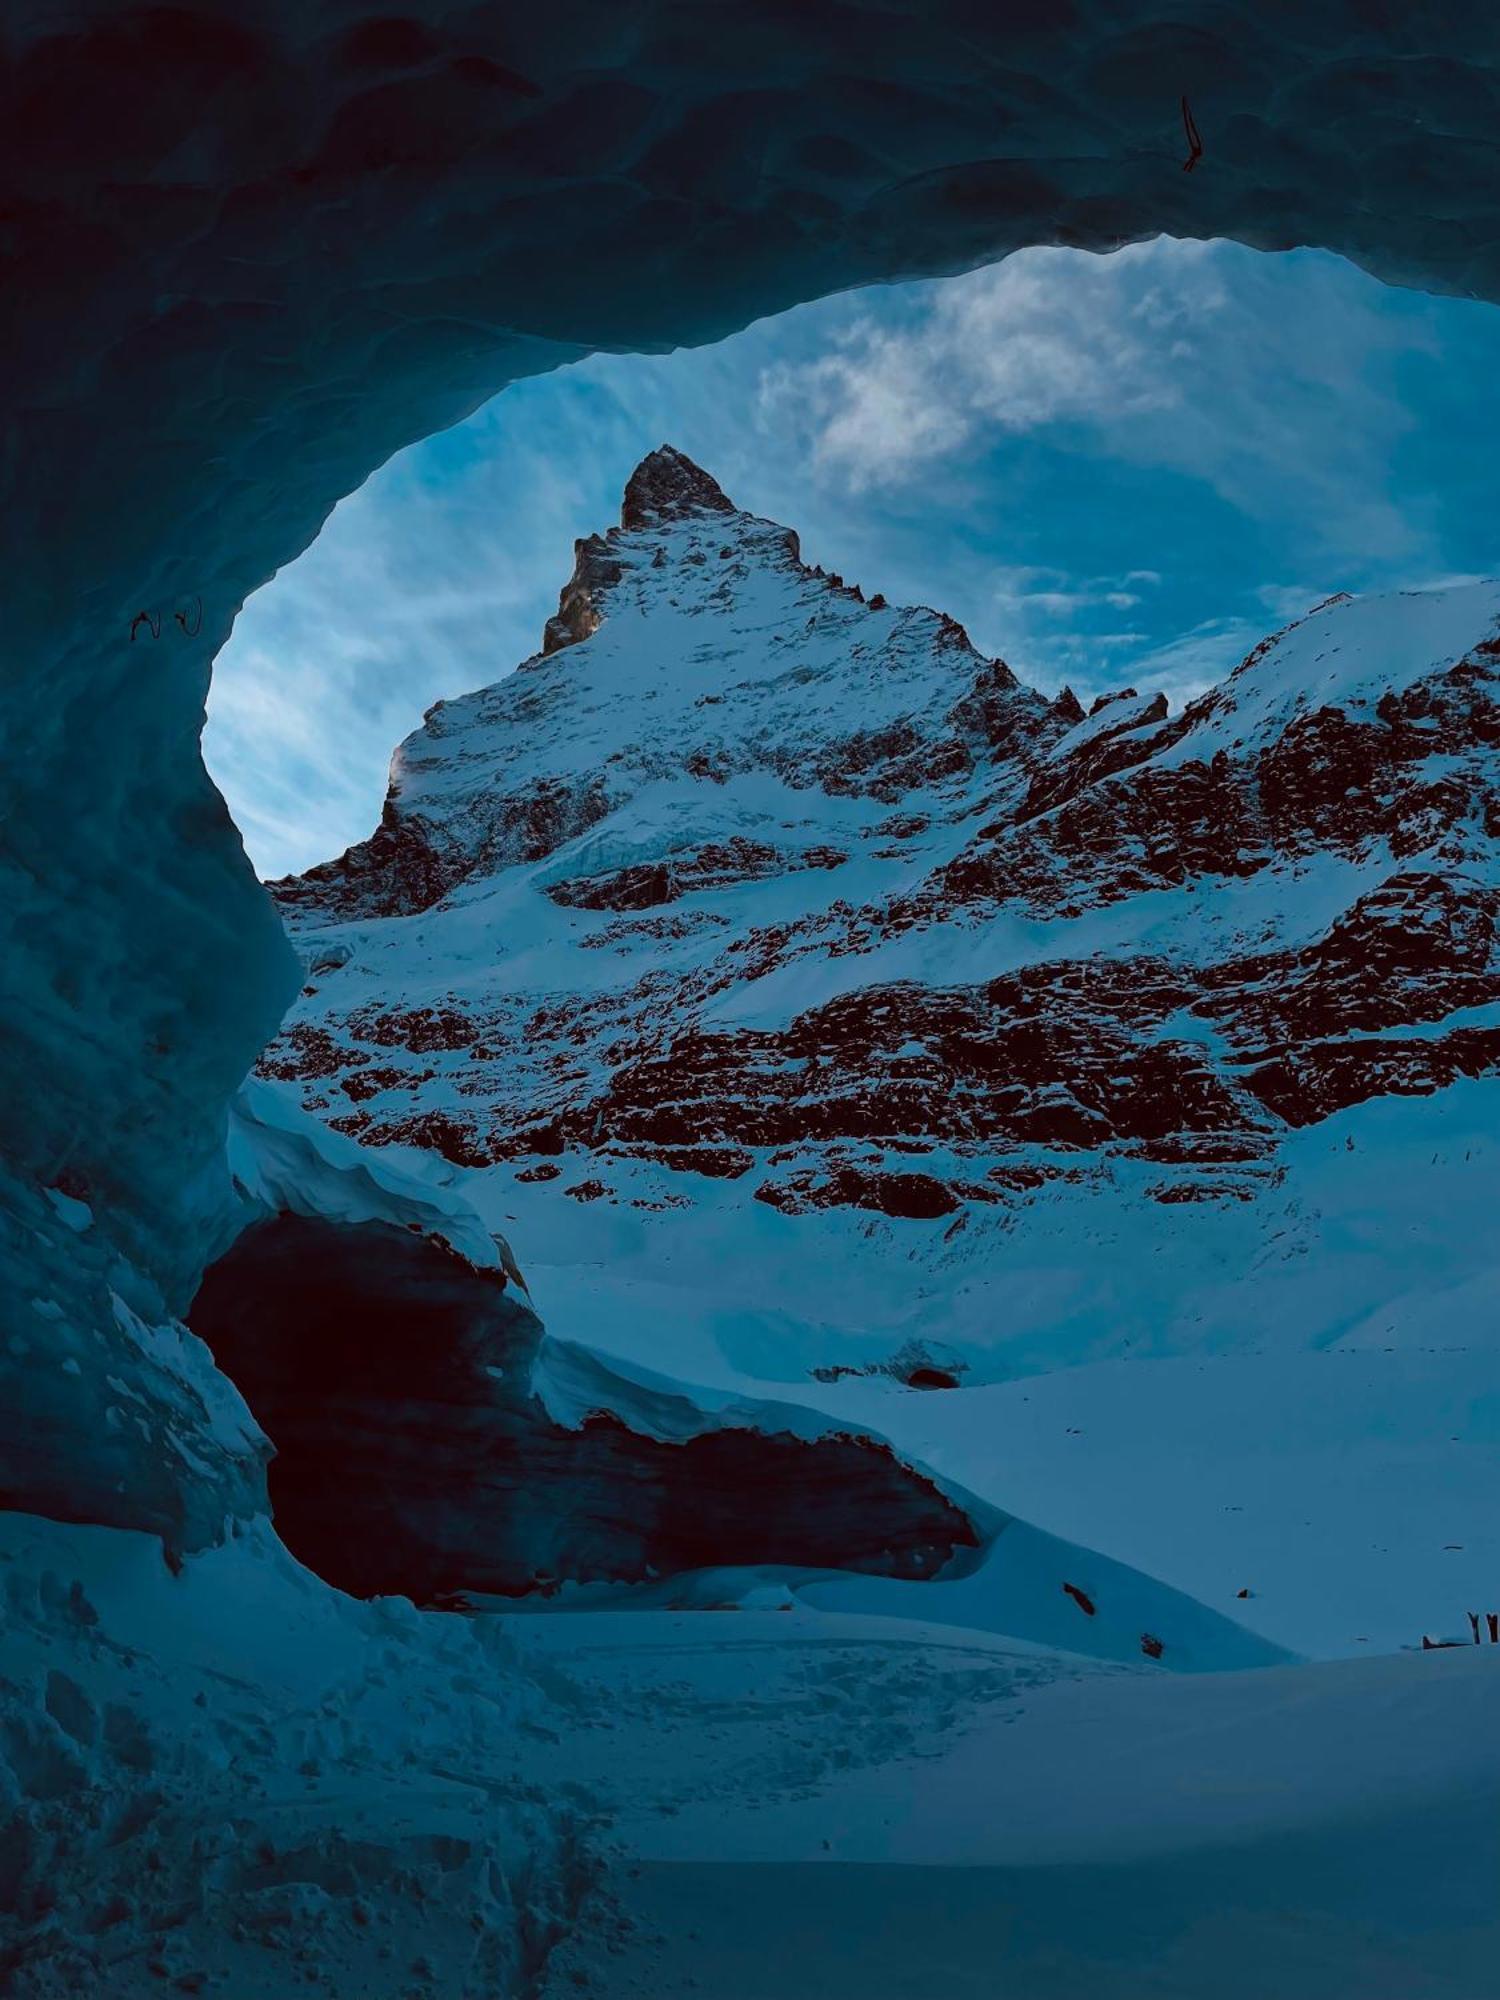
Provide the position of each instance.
(413, 1455)
(262, 250)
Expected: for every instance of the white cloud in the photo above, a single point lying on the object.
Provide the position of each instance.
(1148, 357)
(1285, 601)
(1186, 666)
(1047, 337)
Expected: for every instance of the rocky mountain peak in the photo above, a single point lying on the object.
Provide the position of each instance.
(771, 884)
(762, 864)
(668, 486)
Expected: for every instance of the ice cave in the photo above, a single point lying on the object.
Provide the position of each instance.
(540, 1353)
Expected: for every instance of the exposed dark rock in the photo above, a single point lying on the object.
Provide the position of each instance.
(649, 885)
(666, 486)
(913, 1197)
(412, 1456)
(931, 1378)
(587, 1191)
(577, 614)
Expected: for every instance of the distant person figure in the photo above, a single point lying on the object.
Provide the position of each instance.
(1492, 1619)
(1474, 1621)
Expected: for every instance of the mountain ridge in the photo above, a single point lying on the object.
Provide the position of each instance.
(400, 869)
(760, 900)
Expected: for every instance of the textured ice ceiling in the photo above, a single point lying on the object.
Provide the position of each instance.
(257, 247)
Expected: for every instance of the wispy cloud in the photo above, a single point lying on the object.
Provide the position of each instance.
(434, 578)
(1046, 338)
(1151, 356)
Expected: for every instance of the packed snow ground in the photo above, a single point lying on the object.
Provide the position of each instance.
(235, 1781)
(1320, 1833)
(1350, 1493)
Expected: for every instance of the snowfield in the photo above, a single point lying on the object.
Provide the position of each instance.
(235, 1781)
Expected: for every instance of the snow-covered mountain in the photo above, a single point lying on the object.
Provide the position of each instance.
(819, 1005)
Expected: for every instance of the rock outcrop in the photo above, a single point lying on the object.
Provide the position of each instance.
(416, 1456)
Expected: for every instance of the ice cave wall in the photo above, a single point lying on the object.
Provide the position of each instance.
(258, 245)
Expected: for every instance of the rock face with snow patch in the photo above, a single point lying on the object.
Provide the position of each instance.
(430, 1439)
(749, 879)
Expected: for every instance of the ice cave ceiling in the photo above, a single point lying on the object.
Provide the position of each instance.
(257, 247)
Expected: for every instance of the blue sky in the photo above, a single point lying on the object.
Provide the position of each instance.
(1112, 469)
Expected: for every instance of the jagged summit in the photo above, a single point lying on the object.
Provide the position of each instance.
(667, 486)
(715, 656)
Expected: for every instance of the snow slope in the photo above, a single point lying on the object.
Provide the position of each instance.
(236, 1780)
(1317, 1834)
